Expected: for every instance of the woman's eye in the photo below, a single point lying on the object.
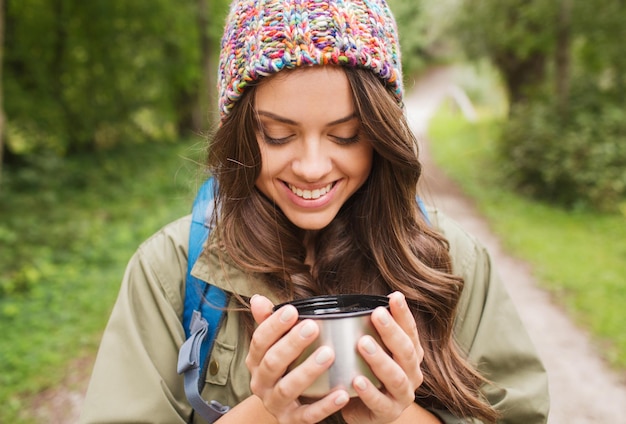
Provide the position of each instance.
(275, 140)
(347, 140)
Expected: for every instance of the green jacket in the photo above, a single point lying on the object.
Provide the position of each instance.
(135, 379)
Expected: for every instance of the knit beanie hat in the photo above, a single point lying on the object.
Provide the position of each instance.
(263, 37)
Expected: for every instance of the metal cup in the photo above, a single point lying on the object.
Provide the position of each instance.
(342, 320)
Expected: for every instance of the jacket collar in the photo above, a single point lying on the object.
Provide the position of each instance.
(216, 268)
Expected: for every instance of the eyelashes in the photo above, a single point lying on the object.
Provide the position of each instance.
(349, 140)
(283, 140)
(275, 141)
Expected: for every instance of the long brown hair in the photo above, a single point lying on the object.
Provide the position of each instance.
(379, 241)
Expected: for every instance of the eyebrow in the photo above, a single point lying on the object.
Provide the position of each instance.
(292, 122)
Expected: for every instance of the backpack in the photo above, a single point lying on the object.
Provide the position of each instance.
(203, 309)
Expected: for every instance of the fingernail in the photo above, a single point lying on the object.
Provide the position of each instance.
(400, 300)
(323, 355)
(369, 345)
(287, 313)
(342, 398)
(307, 329)
(360, 383)
(383, 316)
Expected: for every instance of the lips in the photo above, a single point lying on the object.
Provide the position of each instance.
(310, 194)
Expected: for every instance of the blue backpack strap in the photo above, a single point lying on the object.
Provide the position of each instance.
(202, 312)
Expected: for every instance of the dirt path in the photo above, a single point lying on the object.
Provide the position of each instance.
(582, 388)
(61, 405)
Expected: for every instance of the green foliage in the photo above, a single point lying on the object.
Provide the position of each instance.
(423, 28)
(577, 159)
(409, 16)
(516, 35)
(517, 27)
(218, 10)
(80, 75)
(599, 30)
(67, 229)
(565, 70)
(579, 256)
(571, 148)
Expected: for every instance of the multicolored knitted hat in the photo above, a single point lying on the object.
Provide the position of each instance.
(263, 37)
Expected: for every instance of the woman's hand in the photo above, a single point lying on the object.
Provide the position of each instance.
(276, 343)
(399, 372)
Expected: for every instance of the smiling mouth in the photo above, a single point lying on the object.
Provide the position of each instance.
(310, 194)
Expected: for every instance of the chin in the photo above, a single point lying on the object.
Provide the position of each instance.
(310, 224)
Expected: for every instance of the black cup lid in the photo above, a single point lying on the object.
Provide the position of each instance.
(337, 306)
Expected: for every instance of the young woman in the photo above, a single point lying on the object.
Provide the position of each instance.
(317, 173)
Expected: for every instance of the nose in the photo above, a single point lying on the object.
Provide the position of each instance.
(313, 161)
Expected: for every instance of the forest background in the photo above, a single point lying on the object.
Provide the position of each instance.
(105, 107)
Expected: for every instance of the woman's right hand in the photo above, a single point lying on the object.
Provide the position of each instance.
(278, 340)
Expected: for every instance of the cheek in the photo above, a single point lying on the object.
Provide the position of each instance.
(362, 162)
(269, 160)
(273, 163)
(262, 151)
(268, 157)
(263, 172)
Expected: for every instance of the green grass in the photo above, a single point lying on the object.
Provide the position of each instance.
(67, 229)
(579, 256)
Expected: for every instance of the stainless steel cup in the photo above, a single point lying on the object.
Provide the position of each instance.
(343, 320)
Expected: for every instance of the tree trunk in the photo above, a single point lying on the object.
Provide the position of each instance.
(1, 86)
(563, 40)
(206, 91)
(521, 75)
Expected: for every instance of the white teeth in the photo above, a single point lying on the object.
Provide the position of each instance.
(310, 194)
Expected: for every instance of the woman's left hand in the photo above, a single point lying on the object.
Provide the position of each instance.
(399, 371)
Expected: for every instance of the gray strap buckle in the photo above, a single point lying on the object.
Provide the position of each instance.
(189, 366)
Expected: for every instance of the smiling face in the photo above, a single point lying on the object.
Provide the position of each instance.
(314, 153)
